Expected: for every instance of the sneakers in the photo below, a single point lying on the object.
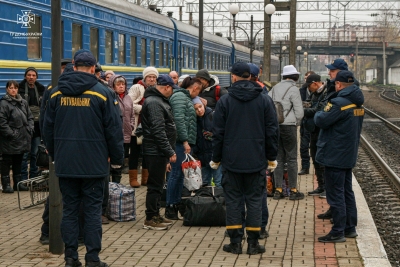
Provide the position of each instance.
(322, 195)
(171, 212)
(96, 264)
(278, 195)
(326, 215)
(155, 224)
(254, 249)
(164, 220)
(44, 239)
(234, 248)
(70, 262)
(104, 220)
(304, 171)
(332, 239)
(316, 192)
(350, 234)
(263, 234)
(296, 195)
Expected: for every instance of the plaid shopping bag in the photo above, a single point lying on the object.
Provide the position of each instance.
(121, 203)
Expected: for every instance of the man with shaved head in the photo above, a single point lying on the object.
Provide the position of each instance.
(174, 76)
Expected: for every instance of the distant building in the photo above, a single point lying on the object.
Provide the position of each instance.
(370, 75)
(394, 73)
(364, 33)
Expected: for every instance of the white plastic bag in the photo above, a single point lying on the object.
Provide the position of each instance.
(192, 172)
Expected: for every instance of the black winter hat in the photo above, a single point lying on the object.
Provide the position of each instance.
(31, 68)
(203, 73)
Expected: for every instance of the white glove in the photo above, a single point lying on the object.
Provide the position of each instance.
(115, 166)
(214, 165)
(272, 165)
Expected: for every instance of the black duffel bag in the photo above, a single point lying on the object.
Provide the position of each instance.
(42, 158)
(205, 209)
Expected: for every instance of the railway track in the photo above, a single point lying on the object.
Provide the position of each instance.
(391, 95)
(377, 173)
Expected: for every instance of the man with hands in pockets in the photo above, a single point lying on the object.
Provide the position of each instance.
(245, 129)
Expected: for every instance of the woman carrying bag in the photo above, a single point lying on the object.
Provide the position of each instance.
(16, 130)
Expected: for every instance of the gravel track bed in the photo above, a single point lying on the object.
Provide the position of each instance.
(382, 197)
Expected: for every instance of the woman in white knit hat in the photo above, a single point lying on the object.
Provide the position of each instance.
(136, 92)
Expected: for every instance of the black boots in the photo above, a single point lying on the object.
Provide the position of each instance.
(234, 248)
(116, 178)
(17, 179)
(5, 182)
(304, 171)
(171, 212)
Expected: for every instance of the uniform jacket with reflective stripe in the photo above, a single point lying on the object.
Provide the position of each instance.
(340, 123)
(82, 127)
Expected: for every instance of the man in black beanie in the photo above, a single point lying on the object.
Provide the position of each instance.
(32, 91)
(212, 91)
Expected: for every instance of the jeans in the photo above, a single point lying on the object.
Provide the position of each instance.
(247, 187)
(287, 153)
(304, 148)
(208, 173)
(90, 192)
(155, 184)
(33, 172)
(175, 179)
(340, 196)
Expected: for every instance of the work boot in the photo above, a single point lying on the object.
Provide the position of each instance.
(263, 234)
(5, 181)
(116, 178)
(70, 262)
(133, 179)
(17, 179)
(44, 239)
(171, 212)
(253, 249)
(326, 215)
(234, 248)
(96, 264)
(304, 171)
(145, 176)
(316, 192)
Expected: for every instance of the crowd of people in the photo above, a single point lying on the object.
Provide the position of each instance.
(233, 131)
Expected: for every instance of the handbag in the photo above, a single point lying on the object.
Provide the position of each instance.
(192, 173)
(205, 209)
(42, 158)
(139, 134)
(121, 203)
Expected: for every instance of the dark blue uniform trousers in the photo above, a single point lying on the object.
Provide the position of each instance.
(340, 196)
(90, 192)
(264, 211)
(304, 148)
(250, 186)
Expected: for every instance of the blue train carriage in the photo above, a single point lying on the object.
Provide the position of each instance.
(217, 52)
(124, 37)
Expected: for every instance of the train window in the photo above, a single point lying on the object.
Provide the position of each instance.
(193, 58)
(161, 54)
(94, 42)
(133, 50)
(208, 61)
(186, 57)
(34, 43)
(152, 53)
(109, 47)
(76, 37)
(167, 55)
(121, 49)
(143, 52)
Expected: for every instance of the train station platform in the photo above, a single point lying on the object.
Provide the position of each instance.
(293, 231)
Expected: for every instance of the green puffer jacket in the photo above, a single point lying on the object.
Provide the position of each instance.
(184, 115)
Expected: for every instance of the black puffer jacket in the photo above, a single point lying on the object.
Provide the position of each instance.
(159, 130)
(16, 125)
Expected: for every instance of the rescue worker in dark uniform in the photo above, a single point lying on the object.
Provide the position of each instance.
(82, 129)
(317, 90)
(340, 123)
(245, 129)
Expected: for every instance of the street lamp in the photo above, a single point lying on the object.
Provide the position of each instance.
(234, 9)
(282, 50)
(299, 49)
(306, 58)
(269, 10)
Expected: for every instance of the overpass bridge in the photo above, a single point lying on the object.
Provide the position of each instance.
(392, 50)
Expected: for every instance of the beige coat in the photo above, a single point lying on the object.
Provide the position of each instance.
(136, 93)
